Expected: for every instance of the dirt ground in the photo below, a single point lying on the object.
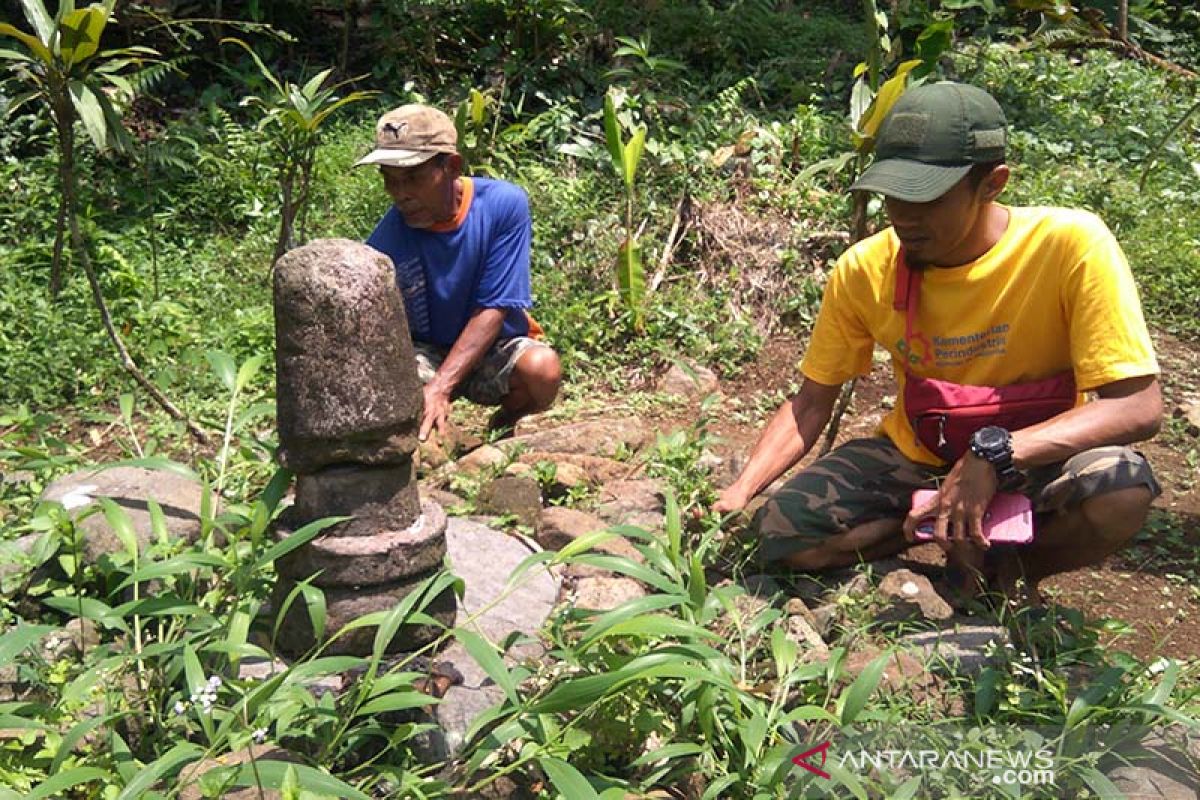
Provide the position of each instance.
(1154, 585)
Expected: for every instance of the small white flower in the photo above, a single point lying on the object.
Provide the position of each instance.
(180, 707)
(260, 735)
(214, 682)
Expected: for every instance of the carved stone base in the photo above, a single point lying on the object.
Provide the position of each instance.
(389, 555)
(346, 604)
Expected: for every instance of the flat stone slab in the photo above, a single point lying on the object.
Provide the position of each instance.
(367, 560)
(485, 559)
(131, 488)
(963, 648)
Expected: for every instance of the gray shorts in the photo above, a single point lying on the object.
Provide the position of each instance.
(488, 383)
(869, 479)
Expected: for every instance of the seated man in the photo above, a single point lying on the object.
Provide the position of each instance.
(963, 289)
(461, 250)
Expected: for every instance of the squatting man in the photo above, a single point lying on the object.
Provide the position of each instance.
(967, 295)
(460, 246)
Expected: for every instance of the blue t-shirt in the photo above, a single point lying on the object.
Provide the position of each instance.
(445, 275)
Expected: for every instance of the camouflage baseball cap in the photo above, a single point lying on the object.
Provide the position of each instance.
(931, 138)
(411, 135)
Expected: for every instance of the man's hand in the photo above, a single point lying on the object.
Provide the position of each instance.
(959, 505)
(730, 500)
(437, 412)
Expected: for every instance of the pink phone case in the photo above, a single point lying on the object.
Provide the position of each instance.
(1008, 519)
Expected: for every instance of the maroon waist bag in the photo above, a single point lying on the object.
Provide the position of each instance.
(944, 415)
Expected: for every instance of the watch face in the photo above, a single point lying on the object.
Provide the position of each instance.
(991, 437)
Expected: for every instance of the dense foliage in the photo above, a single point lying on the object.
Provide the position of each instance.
(738, 100)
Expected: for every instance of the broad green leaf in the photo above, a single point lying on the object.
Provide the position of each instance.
(172, 566)
(1099, 783)
(856, 697)
(783, 650)
(846, 778)
(612, 135)
(55, 786)
(149, 775)
(122, 527)
(290, 788)
(632, 155)
(158, 523)
(91, 114)
(192, 670)
(248, 370)
(478, 106)
(679, 750)
(37, 48)
(224, 367)
(88, 608)
(659, 626)
(935, 40)
(569, 782)
(16, 639)
(674, 527)
(1097, 690)
(274, 773)
(985, 691)
(887, 96)
(315, 607)
(262, 68)
(908, 789)
(314, 84)
(628, 609)
(39, 18)
(396, 701)
(631, 279)
(627, 566)
(75, 735)
(490, 660)
(296, 539)
(80, 33)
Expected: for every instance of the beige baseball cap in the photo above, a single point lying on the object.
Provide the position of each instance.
(411, 135)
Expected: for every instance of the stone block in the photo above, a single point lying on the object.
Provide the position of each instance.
(388, 492)
(346, 382)
(521, 497)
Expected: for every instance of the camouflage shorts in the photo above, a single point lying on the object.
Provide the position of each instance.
(488, 383)
(870, 479)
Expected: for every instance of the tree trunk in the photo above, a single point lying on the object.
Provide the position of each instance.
(287, 212)
(60, 229)
(1123, 20)
(66, 143)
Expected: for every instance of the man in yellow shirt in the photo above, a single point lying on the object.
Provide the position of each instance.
(1002, 296)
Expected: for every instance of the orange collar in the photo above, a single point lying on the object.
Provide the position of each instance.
(464, 205)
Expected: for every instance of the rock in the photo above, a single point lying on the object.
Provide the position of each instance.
(903, 671)
(825, 618)
(963, 648)
(346, 381)
(449, 501)
(1144, 783)
(761, 585)
(481, 459)
(1189, 410)
(633, 502)
(604, 592)
(568, 476)
(389, 492)
(18, 477)
(484, 559)
(75, 638)
(812, 646)
(345, 604)
(191, 775)
(130, 488)
(519, 470)
(16, 556)
(595, 468)
(829, 587)
(723, 468)
(560, 526)
(601, 437)
(521, 497)
(257, 668)
(688, 380)
(909, 596)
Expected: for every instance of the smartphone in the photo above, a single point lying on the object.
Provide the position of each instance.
(1008, 519)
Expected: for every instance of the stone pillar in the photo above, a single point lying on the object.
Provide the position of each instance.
(349, 406)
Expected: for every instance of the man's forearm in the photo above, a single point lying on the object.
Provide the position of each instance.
(1126, 412)
(788, 437)
(479, 335)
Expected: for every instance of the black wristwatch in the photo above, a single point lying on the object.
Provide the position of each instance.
(994, 445)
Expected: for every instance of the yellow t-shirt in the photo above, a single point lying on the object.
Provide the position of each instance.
(1054, 293)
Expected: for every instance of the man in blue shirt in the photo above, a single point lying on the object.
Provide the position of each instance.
(460, 246)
